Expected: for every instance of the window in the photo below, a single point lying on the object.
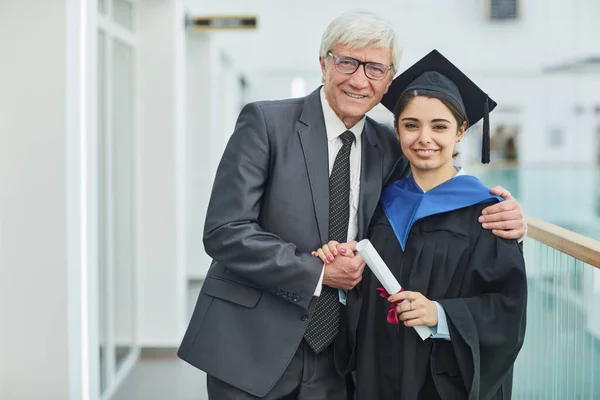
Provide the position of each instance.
(123, 13)
(116, 51)
(502, 9)
(555, 137)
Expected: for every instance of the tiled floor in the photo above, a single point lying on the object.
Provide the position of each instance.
(163, 380)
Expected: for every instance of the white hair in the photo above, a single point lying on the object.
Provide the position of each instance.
(358, 29)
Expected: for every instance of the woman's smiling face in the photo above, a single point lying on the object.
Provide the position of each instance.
(428, 131)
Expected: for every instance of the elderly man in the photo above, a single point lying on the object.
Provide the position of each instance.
(295, 174)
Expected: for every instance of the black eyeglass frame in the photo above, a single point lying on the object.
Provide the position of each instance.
(337, 59)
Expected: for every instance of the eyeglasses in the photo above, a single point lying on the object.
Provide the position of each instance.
(349, 65)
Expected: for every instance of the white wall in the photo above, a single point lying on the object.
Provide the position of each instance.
(42, 114)
(161, 173)
(198, 152)
(213, 103)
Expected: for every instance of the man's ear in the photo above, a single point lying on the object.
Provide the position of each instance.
(387, 87)
(323, 66)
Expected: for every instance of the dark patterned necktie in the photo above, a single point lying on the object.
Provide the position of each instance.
(324, 325)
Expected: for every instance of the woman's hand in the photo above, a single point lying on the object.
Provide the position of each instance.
(417, 310)
(330, 250)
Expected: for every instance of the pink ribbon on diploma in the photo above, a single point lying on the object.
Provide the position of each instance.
(392, 316)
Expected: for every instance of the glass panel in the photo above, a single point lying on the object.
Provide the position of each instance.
(574, 202)
(123, 189)
(561, 353)
(102, 247)
(102, 6)
(123, 13)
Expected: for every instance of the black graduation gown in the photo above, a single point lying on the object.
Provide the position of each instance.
(480, 281)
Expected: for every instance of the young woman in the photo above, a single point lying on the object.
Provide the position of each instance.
(468, 285)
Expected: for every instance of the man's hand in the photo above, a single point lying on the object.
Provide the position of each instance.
(343, 267)
(344, 272)
(505, 219)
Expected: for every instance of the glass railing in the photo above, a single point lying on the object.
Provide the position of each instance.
(560, 358)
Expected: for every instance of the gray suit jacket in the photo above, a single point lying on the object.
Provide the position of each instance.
(269, 209)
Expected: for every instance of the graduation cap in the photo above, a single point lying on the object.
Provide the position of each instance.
(436, 73)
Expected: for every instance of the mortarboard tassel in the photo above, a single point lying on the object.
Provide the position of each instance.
(485, 140)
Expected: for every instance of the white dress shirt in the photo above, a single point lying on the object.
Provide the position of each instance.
(334, 127)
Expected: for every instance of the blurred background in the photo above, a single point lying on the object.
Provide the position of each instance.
(114, 115)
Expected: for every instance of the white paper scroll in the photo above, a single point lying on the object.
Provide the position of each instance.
(385, 276)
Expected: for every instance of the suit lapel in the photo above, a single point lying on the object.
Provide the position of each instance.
(313, 138)
(370, 178)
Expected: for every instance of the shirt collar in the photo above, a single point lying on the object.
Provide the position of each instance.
(334, 125)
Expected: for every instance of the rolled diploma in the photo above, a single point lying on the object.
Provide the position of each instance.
(385, 276)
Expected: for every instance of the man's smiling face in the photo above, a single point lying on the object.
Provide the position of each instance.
(351, 96)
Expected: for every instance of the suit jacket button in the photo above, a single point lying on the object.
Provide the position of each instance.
(304, 317)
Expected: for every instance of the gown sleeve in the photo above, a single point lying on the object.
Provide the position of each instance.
(487, 324)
